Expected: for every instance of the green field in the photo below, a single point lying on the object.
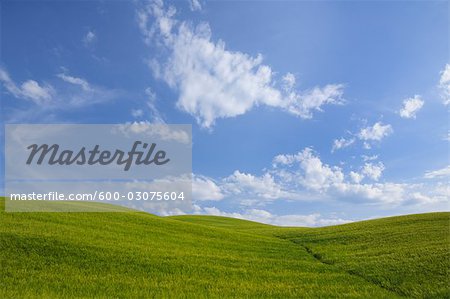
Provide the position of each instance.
(138, 255)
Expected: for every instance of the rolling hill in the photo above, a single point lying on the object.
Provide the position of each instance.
(138, 255)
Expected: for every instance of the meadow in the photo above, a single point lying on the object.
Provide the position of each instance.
(138, 255)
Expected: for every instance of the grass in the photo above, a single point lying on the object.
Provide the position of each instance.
(409, 255)
(138, 255)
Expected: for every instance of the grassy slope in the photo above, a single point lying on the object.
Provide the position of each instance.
(134, 254)
(409, 255)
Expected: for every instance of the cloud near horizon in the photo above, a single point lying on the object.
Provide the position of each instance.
(304, 177)
(264, 216)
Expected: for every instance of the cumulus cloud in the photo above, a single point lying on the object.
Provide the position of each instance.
(342, 143)
(289, 81)
(367, 135)
(444, 84)
(356, 177)
(40, 94)
(263, 187)
(411, 106)
(304, 176)
(440, 173)
(376, 132)
(214, 82)
(373, 171)
(263, 216)
(305, 170)
(204, 188)
(369, 170)
(315, 174)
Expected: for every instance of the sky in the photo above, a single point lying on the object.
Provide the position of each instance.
(303, 113)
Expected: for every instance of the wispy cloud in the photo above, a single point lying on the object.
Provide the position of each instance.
(89, 38)
(341, 143)
(195, 5)
(78, 92)
(137, 113)
(444, 84)
(64, 93)
(440, 173)
(40, 94)
(76, 81)
(214, 82)
(155, 114)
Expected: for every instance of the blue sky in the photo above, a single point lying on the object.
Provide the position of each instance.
(303, 113)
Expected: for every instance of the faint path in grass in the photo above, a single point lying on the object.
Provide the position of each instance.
(318, 257)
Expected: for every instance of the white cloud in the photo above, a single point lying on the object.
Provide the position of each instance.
(204, 188)
(214, 82)
(285, 159)
(155, 115)
(373, 171)
(316, 175)
(303, 176)
(369, 170)
(289, 81)
(40, 94)
(305, 170)
(30, 89)
(78, 92)
(155, 130)
(369, 158)
(440, 173)
(356, 177)
(444, 84)
(262, 187)
(263, 216)
(64, 93)
(376, 132)
(303, 104)
(76, 81)
(137, 113)
(89, 38)
(411, 106)
(342, 143)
